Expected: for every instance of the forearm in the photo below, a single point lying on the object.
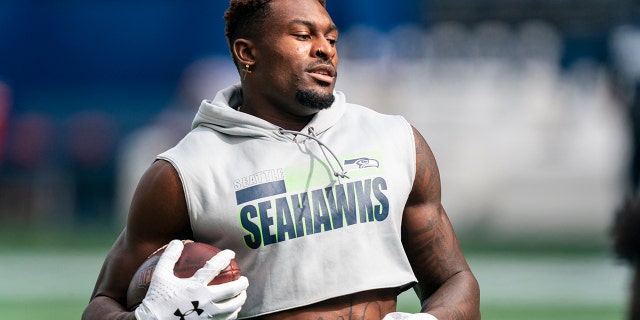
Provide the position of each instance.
(457, 299)
(103, 308)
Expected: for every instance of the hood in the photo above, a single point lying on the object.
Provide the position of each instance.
(219, 114)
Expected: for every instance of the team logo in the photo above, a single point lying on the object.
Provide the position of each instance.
(195, 309)
(361, 163)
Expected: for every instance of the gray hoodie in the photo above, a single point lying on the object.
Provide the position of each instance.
(311, 215)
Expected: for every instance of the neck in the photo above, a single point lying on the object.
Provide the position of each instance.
(278, 113)
(281, 119)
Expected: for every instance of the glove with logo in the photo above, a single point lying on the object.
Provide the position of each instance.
(408, 316)
(170, 297)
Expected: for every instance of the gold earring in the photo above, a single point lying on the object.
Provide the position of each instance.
(246, 71)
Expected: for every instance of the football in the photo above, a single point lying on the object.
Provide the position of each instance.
(194, 256)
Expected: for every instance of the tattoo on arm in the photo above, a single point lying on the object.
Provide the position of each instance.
(426, 231)
(432, 247)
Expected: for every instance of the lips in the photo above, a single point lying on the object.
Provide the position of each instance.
(323, 73)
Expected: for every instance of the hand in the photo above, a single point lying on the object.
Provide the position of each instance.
(408, 316)
(170, 297)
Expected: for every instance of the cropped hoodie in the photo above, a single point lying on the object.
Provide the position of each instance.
(311, 215)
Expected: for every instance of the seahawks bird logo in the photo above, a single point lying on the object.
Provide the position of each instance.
(361, 163)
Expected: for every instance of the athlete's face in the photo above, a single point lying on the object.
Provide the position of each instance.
(296, 57)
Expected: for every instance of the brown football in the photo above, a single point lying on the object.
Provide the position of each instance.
(194, 256)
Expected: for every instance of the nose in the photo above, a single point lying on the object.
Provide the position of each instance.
(325, 49)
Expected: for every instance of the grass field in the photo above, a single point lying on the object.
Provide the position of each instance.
(50, 275)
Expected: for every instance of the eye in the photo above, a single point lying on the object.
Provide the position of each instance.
(332, 38)
(303, 36)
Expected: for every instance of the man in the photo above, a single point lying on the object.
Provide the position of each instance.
(625, 228)
(331, 209)
(625, 238)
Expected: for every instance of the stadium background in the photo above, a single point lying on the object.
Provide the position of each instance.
(523, 102)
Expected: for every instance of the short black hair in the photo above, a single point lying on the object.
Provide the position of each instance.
(244, 19)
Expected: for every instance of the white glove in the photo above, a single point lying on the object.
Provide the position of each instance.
(170, 297)
(408, 316)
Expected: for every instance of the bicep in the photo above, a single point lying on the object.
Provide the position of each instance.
(158, 214)
(427, 234)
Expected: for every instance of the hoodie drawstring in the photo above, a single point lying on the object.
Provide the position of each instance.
(338, 174)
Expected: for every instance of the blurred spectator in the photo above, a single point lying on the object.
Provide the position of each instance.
(91, 139)
(626, 245)
(29, 188)
(5, 106)
(625, 51)
(32, 143)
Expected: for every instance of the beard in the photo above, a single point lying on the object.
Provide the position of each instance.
(315, 100)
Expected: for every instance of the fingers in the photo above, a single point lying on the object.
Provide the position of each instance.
(169, 257)
(228, 290)
(213, 267)
(228, 309)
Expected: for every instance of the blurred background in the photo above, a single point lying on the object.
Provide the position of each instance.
(529, 106)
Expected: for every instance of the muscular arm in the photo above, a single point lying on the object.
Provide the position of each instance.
(446, 285)
(158, 214)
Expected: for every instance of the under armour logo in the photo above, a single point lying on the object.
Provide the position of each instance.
(195, 309)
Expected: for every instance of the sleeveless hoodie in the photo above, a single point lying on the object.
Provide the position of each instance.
(311, 215)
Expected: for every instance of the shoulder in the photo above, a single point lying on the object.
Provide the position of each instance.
(426, 187)
(158, 208)
(366, 115)
(160, 177)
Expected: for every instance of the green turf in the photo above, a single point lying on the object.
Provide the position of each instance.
(53, 309)
(553, 312)
(79, 242)
(17, 237)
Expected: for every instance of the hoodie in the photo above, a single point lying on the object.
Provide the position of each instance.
(311, 215)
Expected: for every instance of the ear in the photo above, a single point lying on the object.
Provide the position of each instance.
(243, 51)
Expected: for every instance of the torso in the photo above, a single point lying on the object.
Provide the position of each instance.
(300, 234)
(367, 305)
